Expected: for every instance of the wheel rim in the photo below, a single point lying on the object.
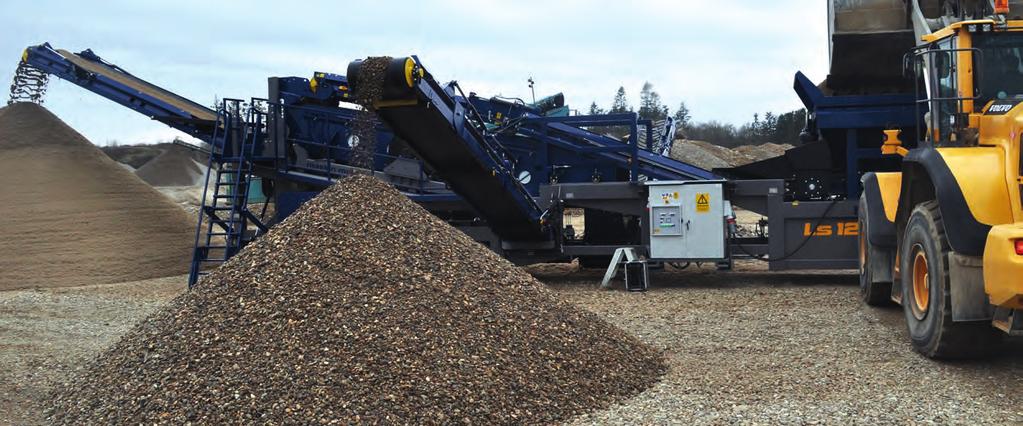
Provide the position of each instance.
(921, 282)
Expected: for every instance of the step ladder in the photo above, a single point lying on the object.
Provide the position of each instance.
(224, 216)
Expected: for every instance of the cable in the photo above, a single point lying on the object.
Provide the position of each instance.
(801, 245)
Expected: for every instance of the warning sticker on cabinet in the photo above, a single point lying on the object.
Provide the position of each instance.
(703, 202)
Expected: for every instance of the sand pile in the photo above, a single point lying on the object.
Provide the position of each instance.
(709, 156)
(134, 156)
(72, 216)
(176, 166)
(706, 155)
(362, 307)
(763, 151)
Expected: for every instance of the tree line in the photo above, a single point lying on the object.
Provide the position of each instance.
(763, 128)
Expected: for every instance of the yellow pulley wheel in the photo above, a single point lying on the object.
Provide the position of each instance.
(413, 72)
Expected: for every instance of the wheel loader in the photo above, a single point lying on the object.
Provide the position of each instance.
(943, 235)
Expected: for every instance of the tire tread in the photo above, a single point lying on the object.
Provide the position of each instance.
(953, 340)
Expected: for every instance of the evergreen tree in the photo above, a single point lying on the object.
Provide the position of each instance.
(769, 128)
(595, 110)
(650, 104)
(620, 104)
(789, 126)
(682, 116)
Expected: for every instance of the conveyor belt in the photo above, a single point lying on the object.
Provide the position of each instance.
(196, 110)
(654, 166)
(90, 72)
(438, 128)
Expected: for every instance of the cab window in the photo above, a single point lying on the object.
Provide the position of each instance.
(944, 91)
(999, 67)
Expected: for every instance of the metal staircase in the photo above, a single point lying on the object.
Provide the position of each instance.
(223, 227)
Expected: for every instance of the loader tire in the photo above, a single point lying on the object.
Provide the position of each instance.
(873, 293)
(926, 293)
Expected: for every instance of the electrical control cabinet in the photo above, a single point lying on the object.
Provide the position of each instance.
(687, 220)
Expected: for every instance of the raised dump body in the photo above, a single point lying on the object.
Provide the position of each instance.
(869, 38)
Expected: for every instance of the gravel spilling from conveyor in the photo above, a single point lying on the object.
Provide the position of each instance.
(370, 83)
(362, 307)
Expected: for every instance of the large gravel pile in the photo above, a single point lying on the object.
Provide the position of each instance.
(72, 216)
(362, 307)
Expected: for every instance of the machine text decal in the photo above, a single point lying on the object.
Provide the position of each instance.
(840, 229)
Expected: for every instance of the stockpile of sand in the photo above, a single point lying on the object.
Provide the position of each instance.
(706, 155)
(362, 308)
(709, 156)
(134, 156)
(73, 216)
(176, 166)
(763, 151)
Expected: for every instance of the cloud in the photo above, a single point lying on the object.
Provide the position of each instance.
(727, 60)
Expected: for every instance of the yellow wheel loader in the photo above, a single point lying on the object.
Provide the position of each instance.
(943, 237)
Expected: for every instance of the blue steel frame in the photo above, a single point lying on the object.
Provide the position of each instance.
(568, 132)
(849, 115)
(329, 141)
(316, 119)
(553, 147)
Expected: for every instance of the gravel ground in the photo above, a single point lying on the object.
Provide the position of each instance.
(746, 347)
(46, 334)
(754, 347)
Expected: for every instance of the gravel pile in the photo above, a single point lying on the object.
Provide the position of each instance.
(174, 167)
(362, 307)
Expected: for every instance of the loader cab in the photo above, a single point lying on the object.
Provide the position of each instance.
(959, 72)
(1001, 62)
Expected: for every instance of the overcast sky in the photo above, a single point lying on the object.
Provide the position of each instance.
(726, 60)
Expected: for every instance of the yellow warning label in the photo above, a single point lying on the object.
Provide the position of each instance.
(702, 202)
